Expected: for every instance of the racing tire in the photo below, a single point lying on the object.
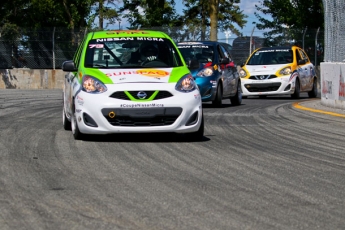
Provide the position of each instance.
(217, 102)
(263, 96)
(198, 135)
(237, 99)
(244, 97)
(66, 123)
(313, 92)
(75, 130)
(297, 92)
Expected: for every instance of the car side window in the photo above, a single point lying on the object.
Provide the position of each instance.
(220, 53)
(303, 55)
(226, 53)
(77, 56)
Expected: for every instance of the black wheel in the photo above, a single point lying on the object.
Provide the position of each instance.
(237, 99)
(217, 102)
(297, 92)
(263, 96)
(244, 97)
(75, 130)
(313, 92)
(66, 123)
(198, 135)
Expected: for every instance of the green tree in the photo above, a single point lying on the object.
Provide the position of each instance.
(150, 13)
(105, 10)
(210, 16)
(289, 19)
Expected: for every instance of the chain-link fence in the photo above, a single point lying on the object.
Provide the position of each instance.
(49, 48)
(335, 30)
(38, 49)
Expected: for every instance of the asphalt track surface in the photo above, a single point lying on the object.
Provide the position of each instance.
(263, 165)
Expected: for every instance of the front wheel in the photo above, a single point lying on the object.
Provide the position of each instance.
(237, 99)
(66, 123)
(75, 130)
(217, 102)
(296, 94)
(198, 135)
(313, 92)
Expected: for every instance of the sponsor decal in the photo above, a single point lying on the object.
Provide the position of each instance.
(192, 46)
(341, 86)
(141, 105)
(156, 73)
(196, 96)
(293, 76)
(326, 87)
(127, 32)
(80, 100)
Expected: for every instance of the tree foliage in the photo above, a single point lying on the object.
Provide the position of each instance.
(150, 13)
(210, 16)
(289, 18)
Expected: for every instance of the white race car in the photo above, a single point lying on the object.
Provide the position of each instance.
(143, 87)
(278, 71)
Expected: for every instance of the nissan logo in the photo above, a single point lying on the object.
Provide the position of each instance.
(141, 95)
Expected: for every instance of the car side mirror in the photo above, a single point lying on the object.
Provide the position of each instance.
(224, 61)
(69, 66)
(301, 62)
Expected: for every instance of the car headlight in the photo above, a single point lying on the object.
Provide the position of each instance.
(92, 85)
(242, 73)
(186, 84)
(285, 71)
(205, 72)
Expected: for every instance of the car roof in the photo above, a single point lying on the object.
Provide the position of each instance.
(127, 33)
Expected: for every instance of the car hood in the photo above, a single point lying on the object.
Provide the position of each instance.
(264, 69)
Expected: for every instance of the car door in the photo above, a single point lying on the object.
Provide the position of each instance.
(309, 69)
(232, 74)
(225, 75)
(71, 80)
(302, 69)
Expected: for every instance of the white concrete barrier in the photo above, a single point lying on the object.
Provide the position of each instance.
(333, 85)
(23, 78)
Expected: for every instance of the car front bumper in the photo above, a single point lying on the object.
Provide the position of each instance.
(104, 114)
(281, 85)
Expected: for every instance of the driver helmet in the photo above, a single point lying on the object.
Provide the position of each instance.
(148, 50)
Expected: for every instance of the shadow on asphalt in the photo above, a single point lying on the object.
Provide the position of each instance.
(142, 137)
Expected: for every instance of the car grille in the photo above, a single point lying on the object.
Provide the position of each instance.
(262, 77)
(123, 96)
(265, 87)
(142, 117)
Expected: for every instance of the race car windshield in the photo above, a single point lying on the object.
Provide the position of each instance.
(271, 57)
(131, 53)
(201, 53)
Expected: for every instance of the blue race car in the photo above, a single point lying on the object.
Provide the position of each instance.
(214, 71)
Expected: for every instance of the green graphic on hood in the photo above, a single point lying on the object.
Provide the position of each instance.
(96, 73)
(177, 73)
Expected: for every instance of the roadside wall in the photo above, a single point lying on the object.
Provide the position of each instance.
(333, 84)
(23, 78)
